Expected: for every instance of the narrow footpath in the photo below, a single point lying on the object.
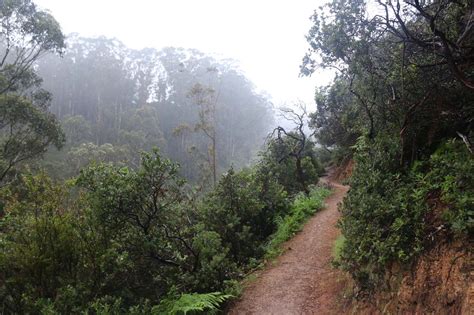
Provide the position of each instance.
(302, 280)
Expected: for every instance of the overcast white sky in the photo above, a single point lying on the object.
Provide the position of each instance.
(267, 37)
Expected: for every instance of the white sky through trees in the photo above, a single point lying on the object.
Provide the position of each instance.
(267, 37)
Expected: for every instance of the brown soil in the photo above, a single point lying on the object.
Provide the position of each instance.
(438, 283)
(302, 280)
(344, 170)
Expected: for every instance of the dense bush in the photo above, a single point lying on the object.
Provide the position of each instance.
(242, 210)
(41, 249)
(121, 240)
(403, 87)
(449, 176)
(385, 213)
(377, 223)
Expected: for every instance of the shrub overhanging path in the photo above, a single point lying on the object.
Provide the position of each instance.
(302, 281)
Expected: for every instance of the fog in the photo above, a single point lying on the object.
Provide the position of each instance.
(266, 37)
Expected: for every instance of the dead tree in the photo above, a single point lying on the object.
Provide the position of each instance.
(295, 140)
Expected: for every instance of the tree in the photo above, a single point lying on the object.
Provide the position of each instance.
(26, 132)
(41, 246)
(144, 215)
(296, 146)
(389, 77)
(26, 34)
(427, 27)
(206, 100)
(334, 123)
(26, 126)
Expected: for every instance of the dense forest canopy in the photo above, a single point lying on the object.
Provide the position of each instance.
(406, 68)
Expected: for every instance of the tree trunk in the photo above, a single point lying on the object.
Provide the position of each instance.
(300, 175)
(214, 166)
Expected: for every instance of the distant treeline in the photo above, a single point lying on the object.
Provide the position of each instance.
(114, 102)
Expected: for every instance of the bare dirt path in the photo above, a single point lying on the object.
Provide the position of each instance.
(302, 280)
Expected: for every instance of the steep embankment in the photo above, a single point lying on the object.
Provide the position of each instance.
(302, 280)
(438, 282)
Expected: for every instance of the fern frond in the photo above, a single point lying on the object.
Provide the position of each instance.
(195, 303)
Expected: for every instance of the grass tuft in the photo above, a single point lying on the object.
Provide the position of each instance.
(337, 248)
(303, 207)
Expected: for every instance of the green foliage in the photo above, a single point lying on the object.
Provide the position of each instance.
(142, 217)
(127, 235)
(27, 129)
(337, 249)
(385, 213)
(241, 210)
(40, 248)
(301, 210)
(385, 84)
(26, 27)
(277, 161)
(106, 306)
(131, 240)
(136, 240)
(399, 94)
(107, 93)
(335, 120)
(193, 303)
(449, 176)
(380, 222)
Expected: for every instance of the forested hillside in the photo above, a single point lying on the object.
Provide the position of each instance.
(114, 102)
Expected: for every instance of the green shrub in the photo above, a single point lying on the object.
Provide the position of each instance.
(241, 210)
(136, 241)
(382, 222)
(384, 213)
(451, 173)
(278, 163)
(40, 248)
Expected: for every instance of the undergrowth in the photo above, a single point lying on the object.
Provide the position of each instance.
(386, 214)
(193, 303)
(301, 209)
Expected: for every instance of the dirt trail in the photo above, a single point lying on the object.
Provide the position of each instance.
(302, 281)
